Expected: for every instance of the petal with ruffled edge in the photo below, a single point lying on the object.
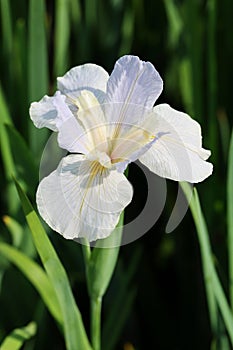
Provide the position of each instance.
(82, 199)
(134, 82)
(177, 152)
(85, 77)
(132, 90)
(53, 113)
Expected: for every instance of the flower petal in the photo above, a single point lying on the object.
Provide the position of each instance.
(85, 77)
(132, 89)
(91, 116)
(177, 152)
(53, 113)
(134, 82)
(82, 199)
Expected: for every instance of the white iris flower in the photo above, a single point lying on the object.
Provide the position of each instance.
(106, 122)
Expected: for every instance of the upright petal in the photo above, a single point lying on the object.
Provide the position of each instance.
(177, 152)
(53, 113)
(83, 199)
(132, 89)
(92, 118)
(85, 77)
(134, 82)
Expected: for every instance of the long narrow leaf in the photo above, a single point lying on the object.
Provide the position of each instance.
(212, 282)
(206, 255)
(230, 218)
(37, 66)
(62, 32)
(75, 335)
(17, 338)
(6, 27)
(36, 275)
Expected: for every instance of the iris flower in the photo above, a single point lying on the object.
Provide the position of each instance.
(106, 122)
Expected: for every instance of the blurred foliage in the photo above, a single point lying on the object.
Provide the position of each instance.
(157, 297)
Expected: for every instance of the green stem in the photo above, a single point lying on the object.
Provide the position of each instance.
(96, 303)
(86, 250)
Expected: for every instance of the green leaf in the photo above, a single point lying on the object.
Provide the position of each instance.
(75, 335)
(37, 67)
(62, 33)
(4, 140)
(102, 262)
(23, 160)
(123, 299)
(17, 338)
(6, 27)
(230, 218)
(212, 282)
(8, 162)
(15, 229)
(36, 275)
(206, 254)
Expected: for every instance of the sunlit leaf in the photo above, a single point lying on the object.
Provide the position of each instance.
(75, 335)
(35, 274)
(18, 337)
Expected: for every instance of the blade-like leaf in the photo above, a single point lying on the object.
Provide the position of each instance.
(123, 299)
(75, 335)
(37, 67)
(62, 32)
(230, 218)
(6, 27)
(213, 284)
(23, 160)
(15, 229)
(102, 262)
(8, 162)
(36, 275)
(18, 336)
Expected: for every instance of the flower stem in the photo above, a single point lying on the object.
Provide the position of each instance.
(96, 303)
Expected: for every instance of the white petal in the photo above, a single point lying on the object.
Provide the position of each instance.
(132, 89)
(85, 77)
(77, 200)
(53, 113)
(91, 116)
(134, 82)
(177, 153)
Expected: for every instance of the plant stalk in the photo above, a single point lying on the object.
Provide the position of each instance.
(96, 303)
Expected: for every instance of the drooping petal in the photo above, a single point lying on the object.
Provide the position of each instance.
(82, 199)
(53, 113)
(85, 77)
(177, 152)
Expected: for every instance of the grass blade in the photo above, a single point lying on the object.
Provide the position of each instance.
(24, 163)
(206, 255)
(7, 37)
(75, 335)
(213, 285)
(62, 33)
(230, 219)
(212, 75)
(37, 66)
(17, 338)
(36, 275)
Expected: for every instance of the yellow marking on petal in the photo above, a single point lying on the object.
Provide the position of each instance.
(136, 138)
(86, 100)
(96, 168)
